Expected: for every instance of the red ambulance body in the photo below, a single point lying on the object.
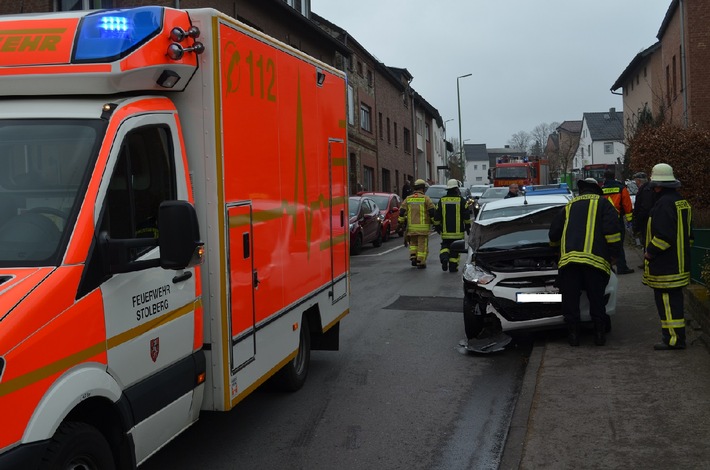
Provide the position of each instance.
(173, 192)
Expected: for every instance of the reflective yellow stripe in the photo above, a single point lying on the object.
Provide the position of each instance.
(669, 318)
(613, 238)
(591, 225)
(660, 244)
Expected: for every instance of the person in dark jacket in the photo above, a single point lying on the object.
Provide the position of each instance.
(406, 189)
(587, 232)
(617, 193)
(513, 191)
(642, 206)
(451, 220)
(669, 237)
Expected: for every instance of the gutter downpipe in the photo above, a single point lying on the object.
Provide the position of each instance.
(682, 63)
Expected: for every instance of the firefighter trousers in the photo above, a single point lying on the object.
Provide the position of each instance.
(574, 278)
(669, 303)
(418, 249)
(448, 260)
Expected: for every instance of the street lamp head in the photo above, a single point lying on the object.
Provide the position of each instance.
(464, 76)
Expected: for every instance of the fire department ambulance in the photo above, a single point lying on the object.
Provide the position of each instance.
(173, 200)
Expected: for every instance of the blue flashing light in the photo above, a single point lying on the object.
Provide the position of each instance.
(109, 35)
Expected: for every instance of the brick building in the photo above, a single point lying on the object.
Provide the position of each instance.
(670, 78)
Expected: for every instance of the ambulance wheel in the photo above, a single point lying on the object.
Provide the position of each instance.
(293, 375)
(78, 446)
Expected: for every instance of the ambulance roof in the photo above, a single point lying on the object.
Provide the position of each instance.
(95, 52)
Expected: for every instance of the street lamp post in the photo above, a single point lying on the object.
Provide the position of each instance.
(446, 155)
(458, 97)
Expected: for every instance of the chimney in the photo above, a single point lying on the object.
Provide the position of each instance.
(612, 111)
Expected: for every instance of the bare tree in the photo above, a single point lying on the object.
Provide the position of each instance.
(541, 132)
(520, 140)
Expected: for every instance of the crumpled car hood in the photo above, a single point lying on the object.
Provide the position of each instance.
(486, 230)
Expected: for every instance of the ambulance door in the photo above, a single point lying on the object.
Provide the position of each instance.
(149, 312)
(339, 220)
(242, 280)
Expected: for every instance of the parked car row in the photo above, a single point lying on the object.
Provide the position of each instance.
(373, 219)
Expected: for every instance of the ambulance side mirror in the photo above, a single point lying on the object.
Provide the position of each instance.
(179, 239)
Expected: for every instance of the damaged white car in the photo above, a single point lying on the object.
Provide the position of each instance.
(509, 279)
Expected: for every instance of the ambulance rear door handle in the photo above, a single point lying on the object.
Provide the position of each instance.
(182, 277)
(255, 279)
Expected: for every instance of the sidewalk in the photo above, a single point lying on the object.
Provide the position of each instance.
(622, 405)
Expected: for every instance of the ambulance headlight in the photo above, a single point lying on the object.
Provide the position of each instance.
(108, 35)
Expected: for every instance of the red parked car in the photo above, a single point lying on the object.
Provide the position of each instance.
(365, 223)
(389, 209)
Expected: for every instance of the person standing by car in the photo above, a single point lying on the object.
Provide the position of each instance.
(615, 191)
(417, 211)
(406, 188)
(668, 239)
(587, 232)
(512, 191)
(642, 207)
(451, 220)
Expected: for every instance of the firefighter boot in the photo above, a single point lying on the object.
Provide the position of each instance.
(444, 258)
(599, 332)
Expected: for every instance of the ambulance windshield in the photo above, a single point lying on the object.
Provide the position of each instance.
(43, 172)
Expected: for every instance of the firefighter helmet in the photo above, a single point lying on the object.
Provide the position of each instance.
(452, 183)
(420, 184)
(662, 175)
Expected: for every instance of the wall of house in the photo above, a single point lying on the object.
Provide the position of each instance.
(698, 61)
(672, 97)
(476, 172)
(639, 92)
(362, 143)
(393, 105)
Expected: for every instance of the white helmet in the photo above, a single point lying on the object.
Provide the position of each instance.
(662, 175)
(452, 183)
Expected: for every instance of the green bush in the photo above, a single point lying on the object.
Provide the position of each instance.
(705, 271)
(687, 150)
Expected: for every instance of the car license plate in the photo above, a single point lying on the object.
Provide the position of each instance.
(540, 297)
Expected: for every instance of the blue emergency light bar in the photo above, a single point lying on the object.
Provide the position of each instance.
(109, 35)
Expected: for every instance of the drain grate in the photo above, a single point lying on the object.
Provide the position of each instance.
(427, 303)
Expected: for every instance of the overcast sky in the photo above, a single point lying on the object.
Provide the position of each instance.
(532, 61)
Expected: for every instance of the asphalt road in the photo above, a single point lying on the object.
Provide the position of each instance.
(400, 393)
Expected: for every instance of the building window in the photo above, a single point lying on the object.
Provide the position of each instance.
(396, 137)
(668, 85)
(370, 81)
(389, 137)
(359, 68)
(386, 183)
(475, 167)
(351, 105)
(483, 167)
(426, 132)
(479, 178)
(608, 147)
(675, 92)
(365, 118)
(379, 128)
(369, 178)
(407, 140)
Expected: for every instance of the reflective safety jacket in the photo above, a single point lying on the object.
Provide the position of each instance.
(417, 211)
(617, 193)
(587, 232)
(452, 217)
(669, 237)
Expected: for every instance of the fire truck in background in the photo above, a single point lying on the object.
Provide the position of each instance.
(597, 171)
(127, 139)
(524, 171)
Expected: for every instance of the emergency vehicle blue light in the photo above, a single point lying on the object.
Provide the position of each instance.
(109, 35)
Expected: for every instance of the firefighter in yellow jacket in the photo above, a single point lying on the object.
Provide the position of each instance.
(417, 211)
(667, 257)
(588, 234)
(452, 219)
